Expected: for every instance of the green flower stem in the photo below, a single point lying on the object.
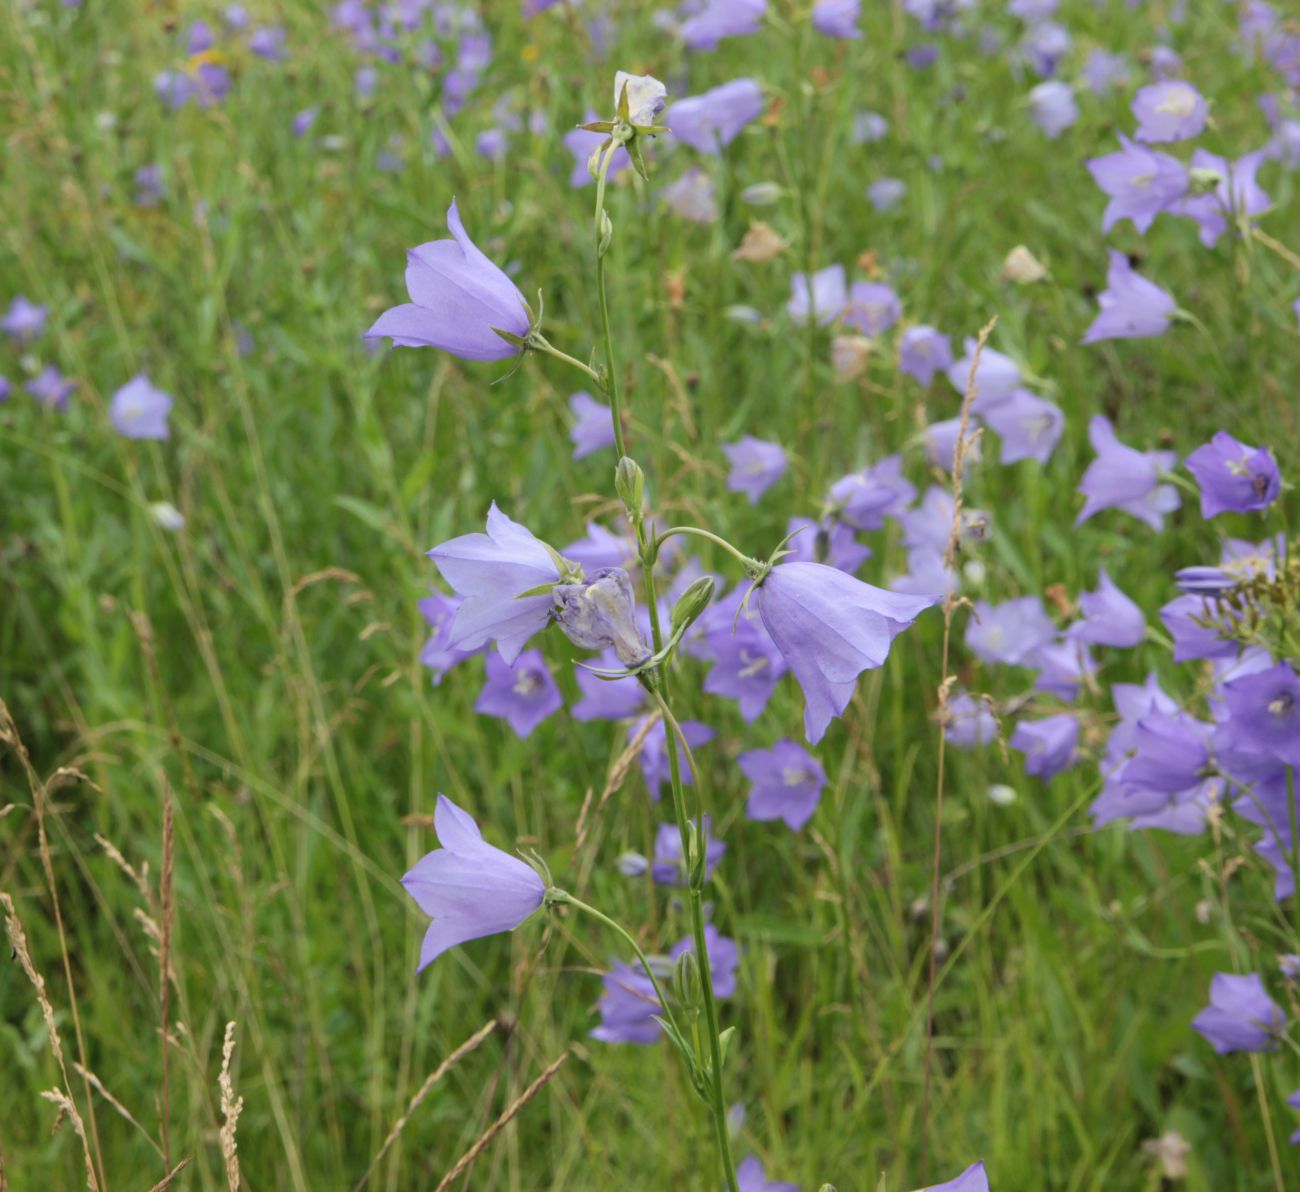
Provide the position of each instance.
(752, 566)
(610, 385)
(695, 899)
(564, 898)
(539, 344)
(1295, 847)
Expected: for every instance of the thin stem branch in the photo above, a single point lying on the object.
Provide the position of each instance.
(611, 373)
(695, 532)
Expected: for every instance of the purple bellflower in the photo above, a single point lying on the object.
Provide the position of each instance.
(1052, 107)
(969, 721)
(593, 427)
(1184, 618)
(628, 1007)
(438, 610)
(24, 321)
(864, 499)
(469, 888)
(718, 19)
(1265, 713)
(1233, 477)
(746, 666)
(607, 699)
(458, 297)
(837, 18)
(51, 388)
(692, 197)
(831, 627)
(1061, 667)
(668, 868)
(831, 541)
(1241, 1016)
(884, 194)
(600, 547)
(1131, 306)
(522, 693)
(996, 379)
(1048, 744)
(1010, 632)
(922, 352)
(941, 442)
(786, 783)
(872, 308)
(1140, 182)
(1171, 110)
(755, 466)
(1029, 426)
(581, 143)
(711, 121)
(823, 302)
(1235, 196)
(492, 571)
(750, 1174)
(1124, 478)
(139, 410)
(973, 1179)
(1109, 618)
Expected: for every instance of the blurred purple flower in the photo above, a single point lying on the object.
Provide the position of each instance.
(692, 197)
(969, 721)
(709, 122)
(1241, 1016)
(864, 499)
(469, 888)
(831, 627)
(786, 783)
(1131, 306)
(1235, 197)
(268, 42)
(1010, 632)
(718, 19)
(923, 351)
(582, 144)
(51, 388)
(1183, 617)
(837, 18)
(303, 121)
(996, 379)
(1123, 478)
(756, 465)
(832, 542)
(24, 321)
(941, 442)
(607, 699)
(872, 308)
(438, 611)
(750, 1174)
(824, 302)
(138, 410)
(668, 868)
(1108, 617)
(523, 694)
(1052, 107)
(1140, 183)
(1171, 110)
(458, 297)
(1105, 72)
(884, 194)
(1061, 666)
(628, 1006)
(655, 768)
(1264, 711)
(1029, 426)
(593, 427)
(746, 666)
(150, 189)
(972, 1179)
(1048, 744)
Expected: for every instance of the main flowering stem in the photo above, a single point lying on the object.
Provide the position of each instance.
(604, 232)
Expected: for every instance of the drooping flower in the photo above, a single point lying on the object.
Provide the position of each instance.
(1171, 110)
(1044, 45)
(24, 321)
(922, 352)
(717, 19)
(1109, 618)
(139, 410)
(1048, 744)
(522, 693)
(1061, 667)
(837, 18)
(492, 571)
(1241, 1016)
(439, 610)
(1233, 477)
(709, 122)
(1140, 182)
(756, 465)
(831, 627)
(1123, 478)
(973, 1179)
(823, 301)
(969, 721)
(1029, 426)
(750, 1174)
(646, 96)
(458, 297)
(1185, 618)
(1105, 71)
(1131, 306)
(864, 499)
(786, 783)
(941, 442)
(996, 378)
(593, 427)
(469, 888)
(1010, 632)
(601, 615)
(669, 869)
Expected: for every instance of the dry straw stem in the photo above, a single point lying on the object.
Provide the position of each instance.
(946, 682)
(231, 1108)
(165, 963)
(166, 1182)
(436, 1075)
(98, 1086)
(485, 1140)
(617, 776)
(18, 943)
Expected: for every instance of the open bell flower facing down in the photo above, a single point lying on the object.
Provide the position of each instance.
(458, 300)
(1241, 1016)
(492, 571)
(831, 627)
(973, 1179)
(469, 888)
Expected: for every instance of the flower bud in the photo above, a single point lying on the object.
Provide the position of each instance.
(606, 233)
(686, 982)
(1022, 267)
(601, 615)
(631, 864)
(691, 603)
(629, 483)
(762, 194)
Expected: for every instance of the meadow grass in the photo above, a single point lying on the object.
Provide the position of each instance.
(254, 679)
